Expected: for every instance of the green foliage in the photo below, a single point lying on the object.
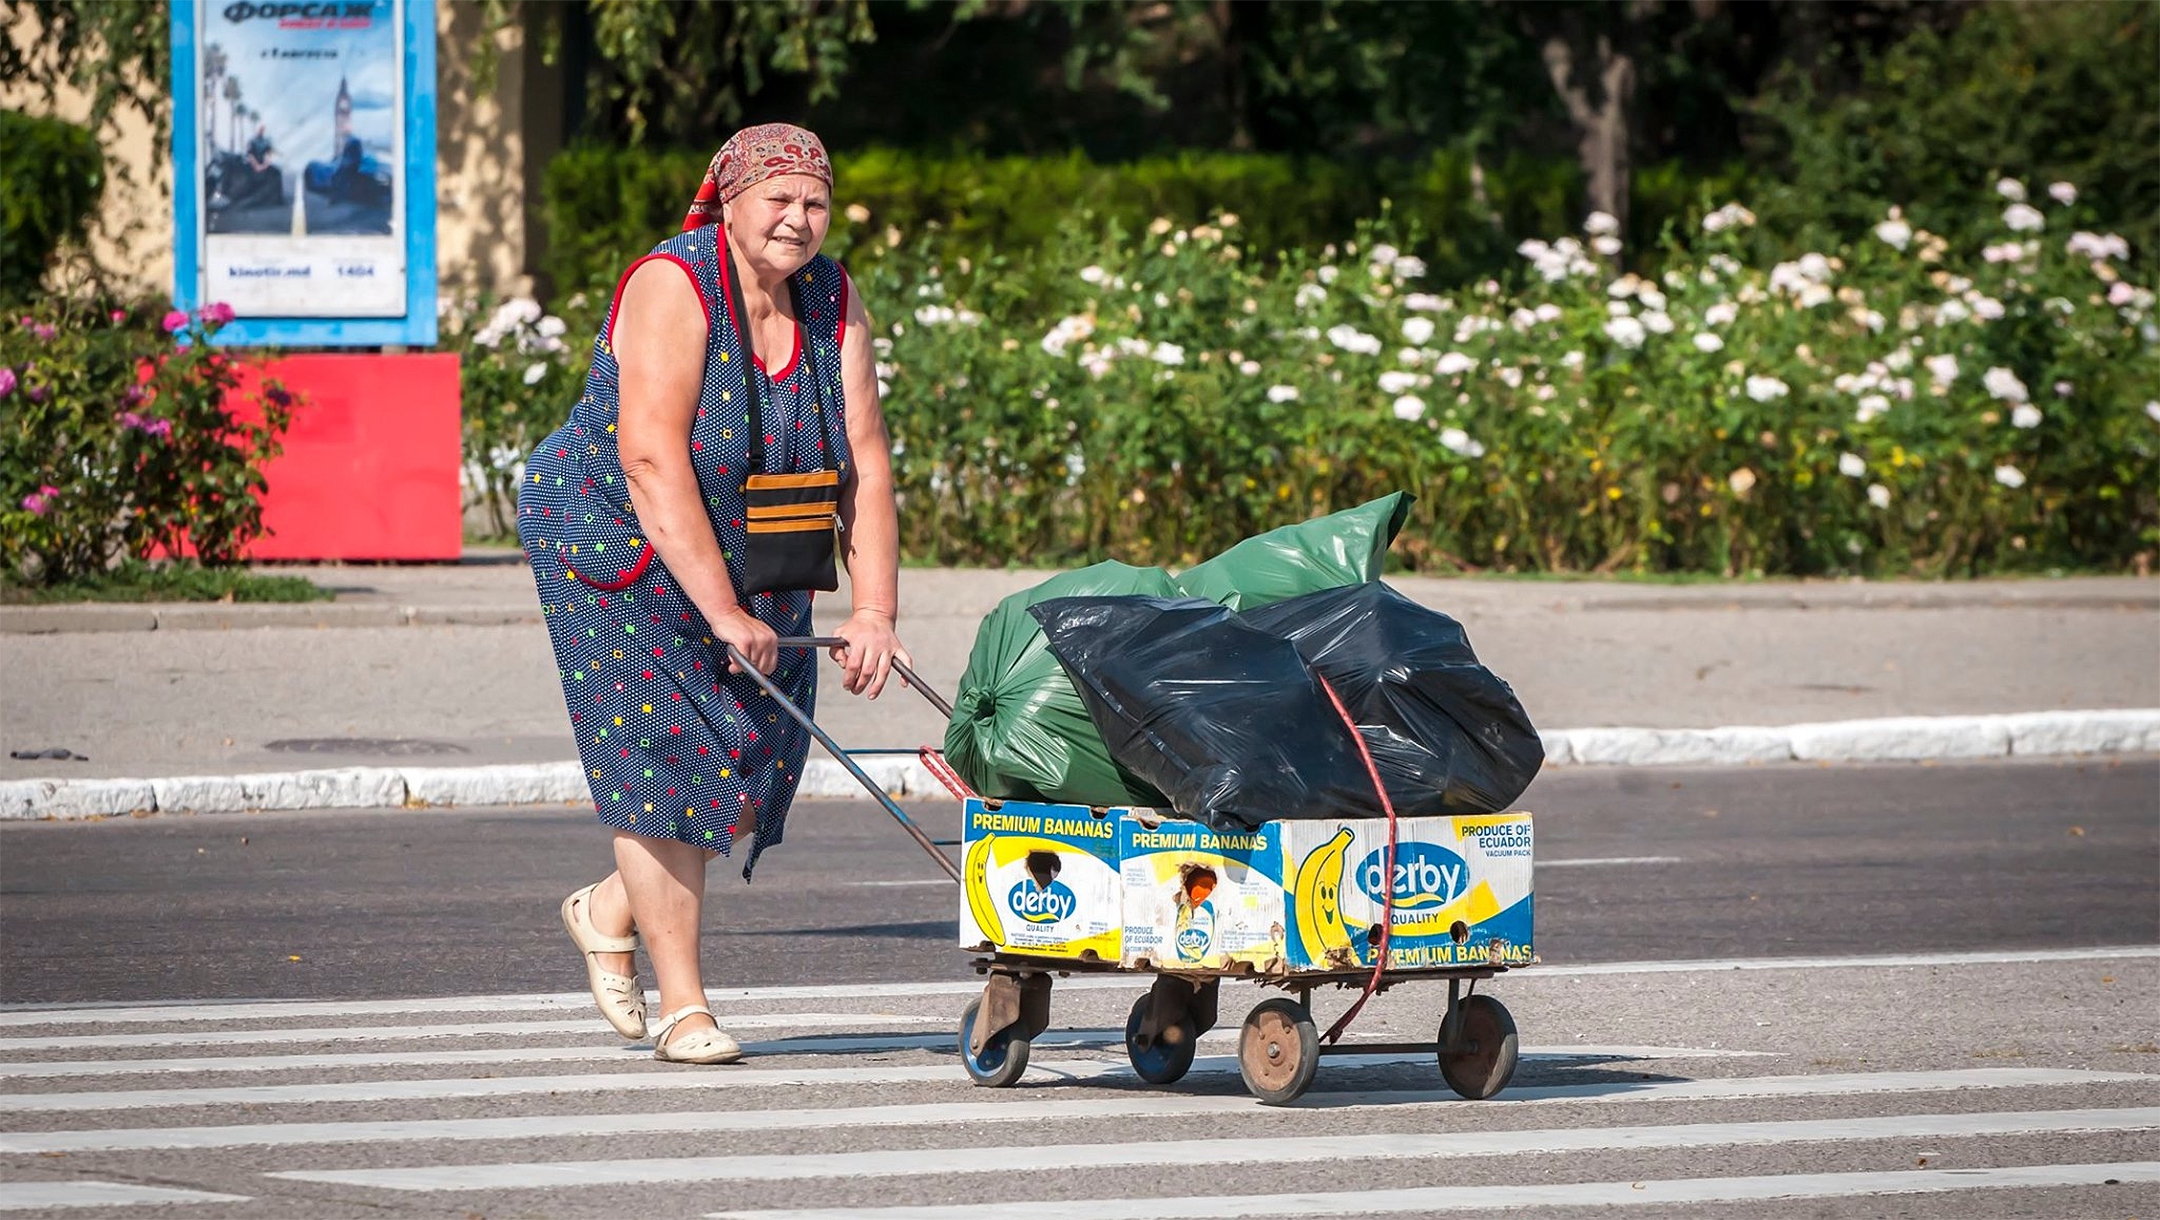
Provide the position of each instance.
(519, 368)
(605, 206)
(133, 580)
(118, 53)
(1861, 410)
(52, 176)
(2040, 92)
(117, 439)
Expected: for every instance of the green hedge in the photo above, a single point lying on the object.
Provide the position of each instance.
(52, 176)
(607, 205)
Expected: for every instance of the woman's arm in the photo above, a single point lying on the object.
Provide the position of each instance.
(869, 518)
(659, 343)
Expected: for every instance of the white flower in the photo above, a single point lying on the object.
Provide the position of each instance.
(1395, 381)
(551, 327)
(1650, 297)
(1871, 405)
(1474, 324)
(1168, 353)
(1601, 224)
(1764, 389)
(1607, 246)
(1409, 267)
(1705, 341)
(1251, 368)
(534, 372)
(1944, 369)
(1572, 360)
(1383, 255)
(1453, 363)
(1731, 216)
(1455, 440)
(1852, 465)
(1282, 393)
(1624, 287)
(1952, 310)
(487, 336)
(1328, 273)
(931, 315)
(2152, 411)
(1878, 495)
(1093, 274)
(1721, 314)
(1512, 376)
(1740, 481)
(1418, 330)
(1987, 309)
(1409, 407)
(1162, 300)
(2004, 384)
(2121, 293)
(1548, 312)
(1618, 309)
(2063, 193)
(1627, 332)
(1900, 357)
(1658, 323)
(2094, 246)
(1351, 339)
(1895, 231)
(1309, 295)
(1722, 264)
(2025, 415)
(1424, 302)
(1523, 319)
(932, 291)
(2005, 252)
(2009, 476)
(517, 311)
(1068, 331)
(2024, 218)
(2064, 389)
(2011, 189)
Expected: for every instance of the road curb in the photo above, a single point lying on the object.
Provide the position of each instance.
(1890, 739)
(221, 616)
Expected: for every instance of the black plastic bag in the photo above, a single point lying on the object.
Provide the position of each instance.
(1447, 734)
(1224, 718)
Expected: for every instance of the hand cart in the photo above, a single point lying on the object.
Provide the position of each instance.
(1279, 1045)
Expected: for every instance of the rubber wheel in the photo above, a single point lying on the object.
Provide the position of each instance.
(1002, 1062)
(1478, 1074)
(1169, 1056)
(1278, 1051)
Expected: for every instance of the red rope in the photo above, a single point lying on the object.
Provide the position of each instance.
(933, 760)
(1387, 878)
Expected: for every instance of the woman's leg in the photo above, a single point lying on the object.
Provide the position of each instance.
(660, 884)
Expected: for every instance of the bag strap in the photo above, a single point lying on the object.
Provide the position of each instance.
(736, 319)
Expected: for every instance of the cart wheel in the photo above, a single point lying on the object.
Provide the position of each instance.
(1001, 1062)
(1485, 1070)
(1278, 1051)
(1169, 1056)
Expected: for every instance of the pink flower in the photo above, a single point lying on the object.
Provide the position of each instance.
(175, 321)
(146, 423)
(39, 502)
(119, 316)
(218, 313)
(43, 332)
(7, 381)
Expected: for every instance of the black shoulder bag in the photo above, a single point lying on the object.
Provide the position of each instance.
(791, 519)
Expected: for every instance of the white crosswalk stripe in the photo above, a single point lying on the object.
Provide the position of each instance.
(893, 1105)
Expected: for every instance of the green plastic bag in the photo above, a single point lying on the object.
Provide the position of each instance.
(1345, 548)
(1019, 730)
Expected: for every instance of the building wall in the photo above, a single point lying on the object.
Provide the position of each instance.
(487, 189)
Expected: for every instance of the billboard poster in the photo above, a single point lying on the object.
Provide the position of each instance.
(301, 125)
(304, 168)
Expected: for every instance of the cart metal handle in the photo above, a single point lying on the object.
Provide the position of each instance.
(832, 747)
(906, 675)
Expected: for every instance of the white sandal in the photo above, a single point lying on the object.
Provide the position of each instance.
(620, 997)
(704, 1046)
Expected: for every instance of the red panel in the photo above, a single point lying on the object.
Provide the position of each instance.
(370, 468)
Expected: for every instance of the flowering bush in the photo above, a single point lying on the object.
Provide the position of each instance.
(117, 440)
(520, 371)
(1890, 405)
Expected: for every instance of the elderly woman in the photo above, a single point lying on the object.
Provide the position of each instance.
(689, 506)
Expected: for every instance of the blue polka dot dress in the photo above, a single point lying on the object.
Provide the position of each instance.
(673, 745)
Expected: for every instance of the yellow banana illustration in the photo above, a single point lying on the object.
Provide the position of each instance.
(975, 880)
(1318, 891)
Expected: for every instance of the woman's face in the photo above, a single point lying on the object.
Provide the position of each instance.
(779, 224)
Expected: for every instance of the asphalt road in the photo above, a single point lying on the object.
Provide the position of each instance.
(1787, 991)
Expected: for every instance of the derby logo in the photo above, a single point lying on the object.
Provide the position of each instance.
(1040, 904)
(1426, 875)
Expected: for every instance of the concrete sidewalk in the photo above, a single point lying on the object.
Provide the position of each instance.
(449, 666)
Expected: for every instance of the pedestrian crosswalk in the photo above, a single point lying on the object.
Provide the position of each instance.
(852, 1103)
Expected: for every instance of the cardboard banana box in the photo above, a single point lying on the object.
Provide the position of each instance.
(1149, 891)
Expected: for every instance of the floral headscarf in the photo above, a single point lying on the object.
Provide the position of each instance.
(754, 155)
